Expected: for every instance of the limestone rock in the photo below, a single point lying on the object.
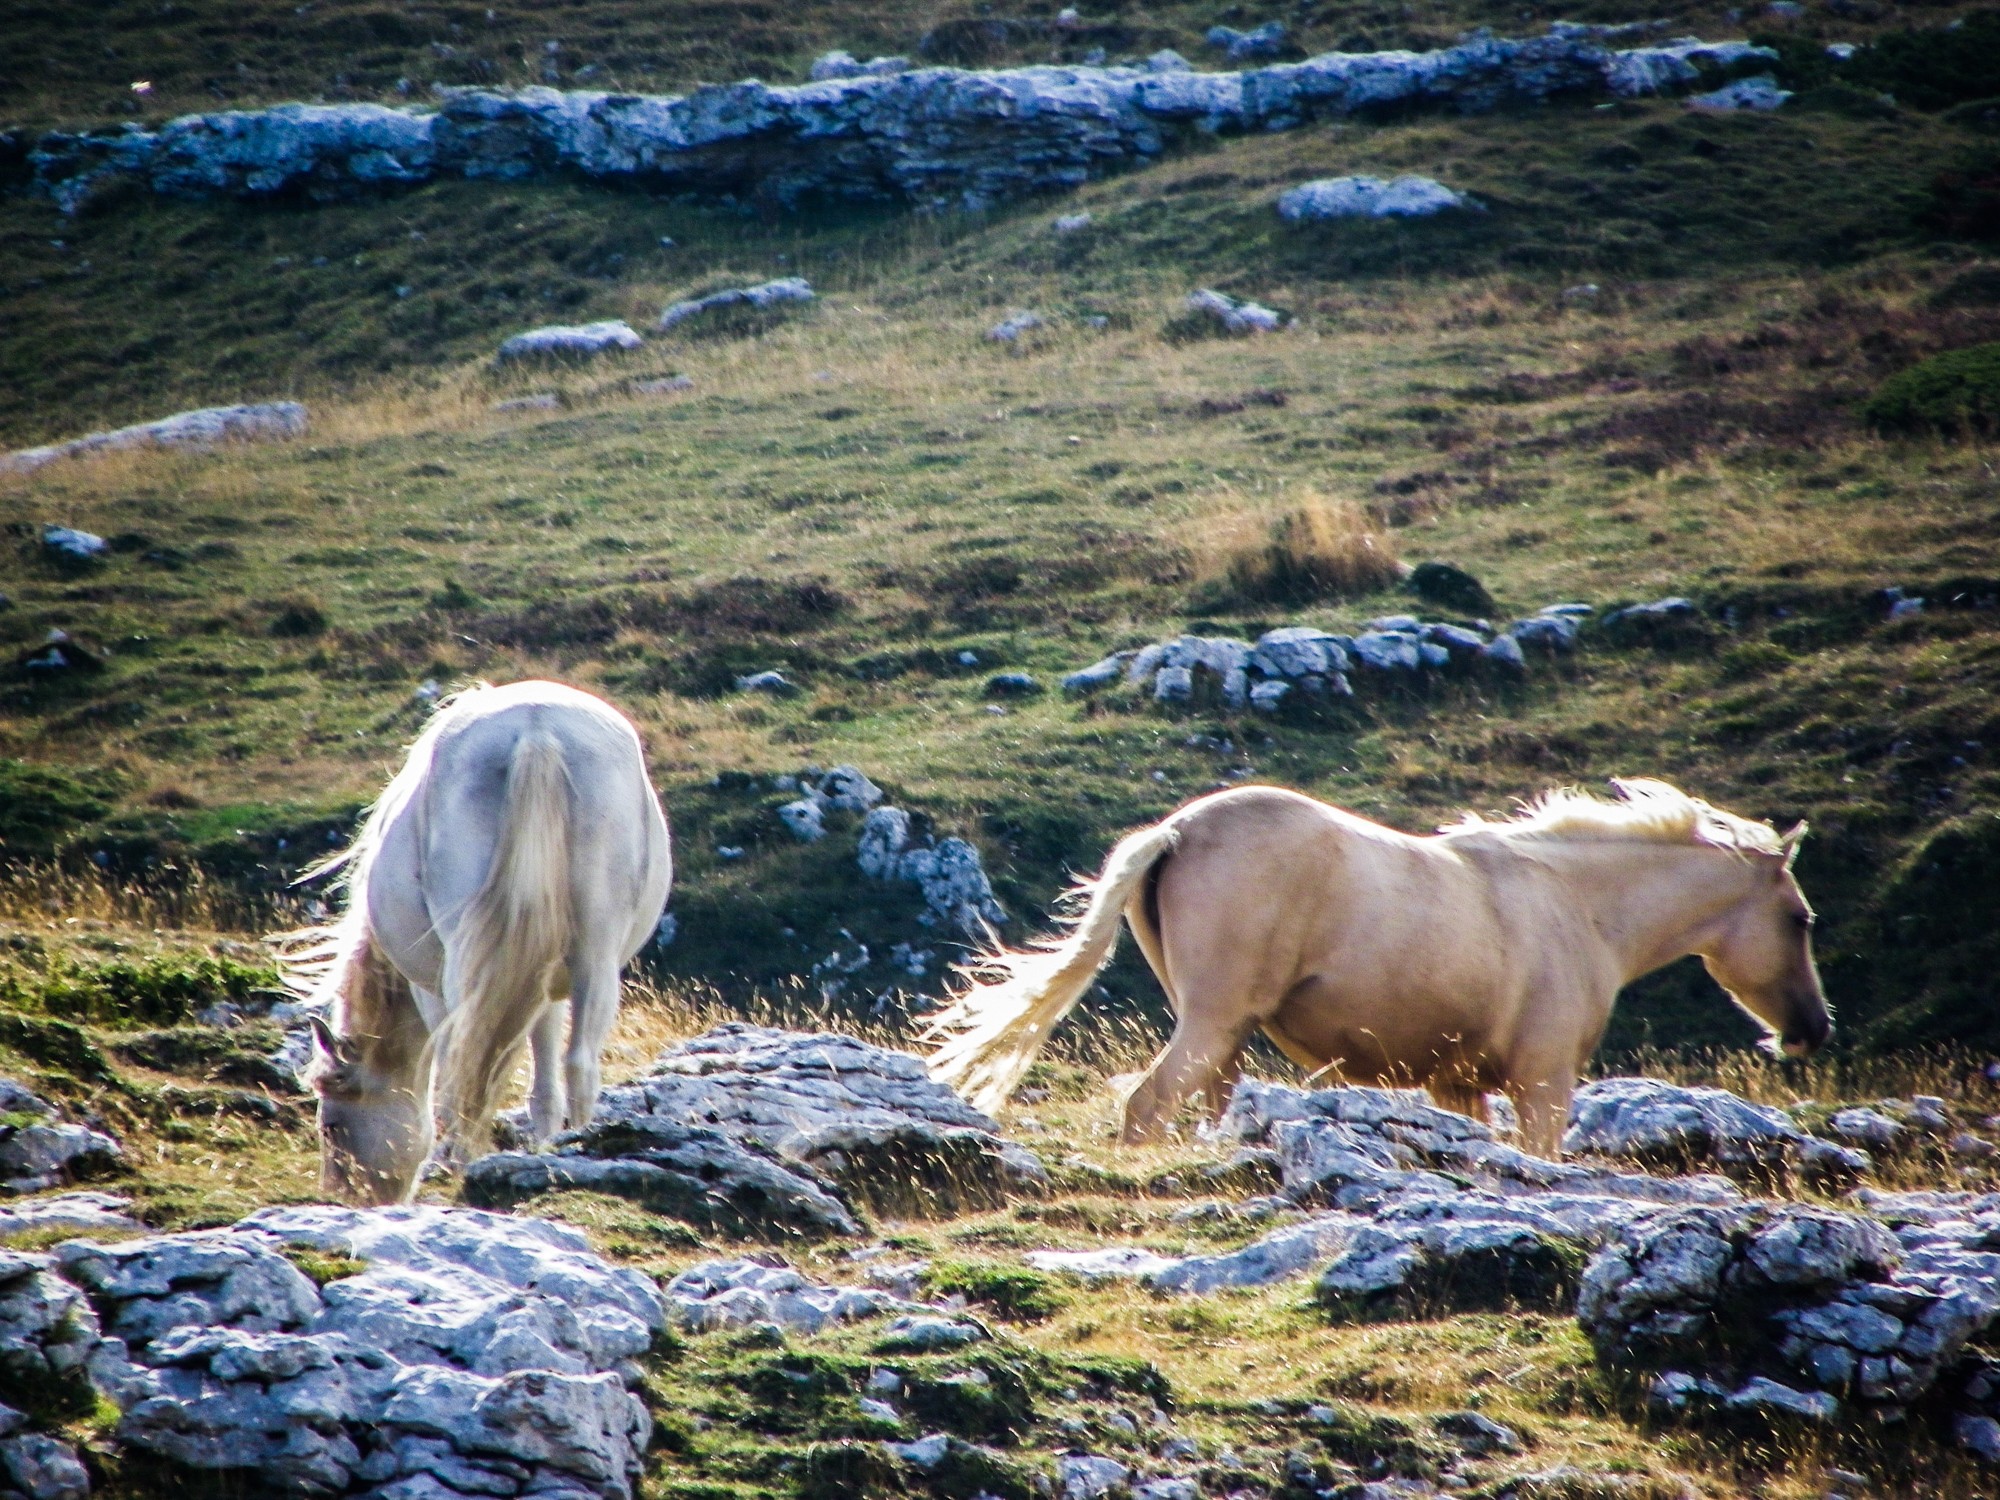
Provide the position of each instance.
(1760, 93)
(941, 137)
(44, 1468)
(866, 1117)
(1364, 197)
(485, 1351)
(734, 1293)
(765, 294)
(66, 544)
(1263, 41)
(1648, 1121)
(203, 428)
(570, 341)
(698, 1175)
(1009, 329)
(68, 1211)
(1228, 315)
(948, 872)
(49, 1153)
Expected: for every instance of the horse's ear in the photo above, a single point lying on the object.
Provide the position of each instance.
(1789, 842)
(324, 1038)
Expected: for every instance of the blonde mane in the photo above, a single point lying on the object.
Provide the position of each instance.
(1646, 811)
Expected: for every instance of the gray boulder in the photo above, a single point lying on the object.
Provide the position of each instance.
(1009, 329)
(866, 1117)
(1760, 93)
(44, 1468)
(207, 427)
(75, 1212)
(66, 544)
(570, 341)
(948, 872)
(1228, 315)
(765, 294)
(48, 1153)
(1263, 41)
(1662, 1124)
(1098, 674)
(1364, 197)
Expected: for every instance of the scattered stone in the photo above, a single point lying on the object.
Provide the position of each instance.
(1227, 315)
(736, 1293)
(1504, 653)
(203, 428)
(1478, 1435)
(46, 1152)
(771, 681)
(1263, 41)
(766, 294)
(64, 544)
(1116, 1262)
(78, 1213)
(925, 1453)
(804, 819)
(1759, 93)
(1864, 1127)
(539, 401)
(1097, 674)
(570, 341)
(917, 1334)
(1662, 1124)
(1363, 197)
(948, 872)
(1071, 223)
(1084, 1476)
(1009, 329)
(837, 65)
(1012, 685)
(666, 385)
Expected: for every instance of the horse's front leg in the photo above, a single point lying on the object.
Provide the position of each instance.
(593, 1005)
(1541, 1099)
(548, 1102)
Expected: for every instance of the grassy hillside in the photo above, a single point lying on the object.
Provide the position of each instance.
(1637, 373)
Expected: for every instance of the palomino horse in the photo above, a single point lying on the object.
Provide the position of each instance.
(519, 856)
(1487, 956)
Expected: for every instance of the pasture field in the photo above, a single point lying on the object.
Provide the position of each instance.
(1639, 373)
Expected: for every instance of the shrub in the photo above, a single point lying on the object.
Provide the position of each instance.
(1956, 393)
(1316, 549)
(1936, 67)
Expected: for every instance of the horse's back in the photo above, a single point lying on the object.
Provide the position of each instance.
(616, 832)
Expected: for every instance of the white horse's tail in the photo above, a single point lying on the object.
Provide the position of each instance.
(1017, 1000)
(509, 941)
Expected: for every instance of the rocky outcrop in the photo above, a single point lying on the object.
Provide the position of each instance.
(435, 1352)
(1661, 1124)
(735, 1293)
(839, 1118)
(1803, 1312)
(948, 873)
(203, 428)
(932, 136)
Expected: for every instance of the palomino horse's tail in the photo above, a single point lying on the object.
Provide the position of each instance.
(513, 935)
(1017, 1000)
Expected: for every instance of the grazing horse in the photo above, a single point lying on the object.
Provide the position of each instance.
(1486, 956)
(519, 856)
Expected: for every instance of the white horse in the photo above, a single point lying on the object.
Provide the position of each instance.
(518, 857)
(1485, 957)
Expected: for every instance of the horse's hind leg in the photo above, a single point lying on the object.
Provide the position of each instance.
(593, 1003)
(548, 1103)
(1201, 1058)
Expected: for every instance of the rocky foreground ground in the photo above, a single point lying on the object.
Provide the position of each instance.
(1731, 1265)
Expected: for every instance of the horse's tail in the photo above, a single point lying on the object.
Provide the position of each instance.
(508, 943)
(1017, 1000)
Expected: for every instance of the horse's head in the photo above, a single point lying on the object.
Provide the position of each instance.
(1762, 954)
(373, 1139)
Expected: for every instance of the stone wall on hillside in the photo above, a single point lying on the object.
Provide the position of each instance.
(937, 137)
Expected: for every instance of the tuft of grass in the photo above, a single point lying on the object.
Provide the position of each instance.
(1310, 550)
(320, 1267)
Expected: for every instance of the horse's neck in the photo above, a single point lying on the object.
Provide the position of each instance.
(1648, 903)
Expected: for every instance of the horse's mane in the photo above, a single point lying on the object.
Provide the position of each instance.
(1646, 811)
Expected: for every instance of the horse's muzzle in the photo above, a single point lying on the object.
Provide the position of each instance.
(1805, 1040)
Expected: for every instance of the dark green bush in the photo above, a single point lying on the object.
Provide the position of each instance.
(38, 805)
(1936, 67)
(1956, 393)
